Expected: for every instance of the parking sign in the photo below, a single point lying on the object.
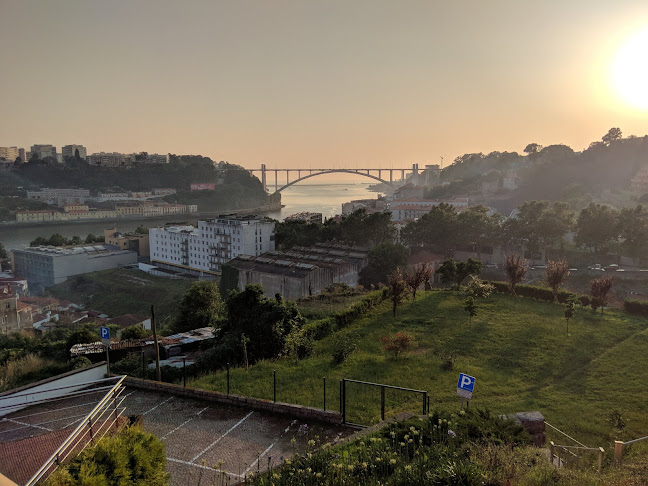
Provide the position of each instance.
(465, 385)
(105, 335)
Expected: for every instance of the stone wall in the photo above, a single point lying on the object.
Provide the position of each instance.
(288, 409)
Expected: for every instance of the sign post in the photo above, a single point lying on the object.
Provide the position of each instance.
(105, 338)
(465, 387)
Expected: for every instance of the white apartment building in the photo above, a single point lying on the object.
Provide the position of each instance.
(204, 249)
(9, 153)
(70, 150)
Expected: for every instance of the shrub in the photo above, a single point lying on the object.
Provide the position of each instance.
(398, 343)
(359, 309)
(476, 287)
(318, 329)
(539, 293)
(342, 348)
(636, 307)
(80, 363)
(134, 332)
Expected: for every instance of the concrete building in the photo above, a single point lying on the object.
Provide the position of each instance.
(202, 250)
(414, 208)
(9, 153)
(60, 197)
(301, 272)
(639, 181)
(43, 151)
(70, 150)
(44, 266)
(113, 159)
(305, 217)
(8, 310)
(138, 243)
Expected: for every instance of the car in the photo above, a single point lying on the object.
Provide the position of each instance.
(491, 265)
(540, 267)
(613, 265)
(620, 270)
(573, 269)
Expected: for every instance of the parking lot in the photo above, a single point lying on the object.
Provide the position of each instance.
(208, 443)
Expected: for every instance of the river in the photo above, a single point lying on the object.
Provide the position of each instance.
(322, 198)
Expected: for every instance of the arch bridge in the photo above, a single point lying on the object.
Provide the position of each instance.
(293, 176)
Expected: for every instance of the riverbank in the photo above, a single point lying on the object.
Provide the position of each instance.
(135, 217)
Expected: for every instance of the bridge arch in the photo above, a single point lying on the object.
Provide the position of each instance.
(333, 171)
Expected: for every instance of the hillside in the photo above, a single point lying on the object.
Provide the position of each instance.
(122, 291)
(517, 349)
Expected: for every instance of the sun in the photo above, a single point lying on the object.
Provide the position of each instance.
(630, 71)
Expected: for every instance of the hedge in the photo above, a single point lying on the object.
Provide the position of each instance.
(637, 307)
(359, 309)
(539, 293)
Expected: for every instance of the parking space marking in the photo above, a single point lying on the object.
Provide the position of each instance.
(223, 436)
(269, 447)
(27, 425)
(187, 463)
(158, 405)
(184, 423)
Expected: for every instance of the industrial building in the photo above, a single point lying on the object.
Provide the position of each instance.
(202, 250)
(136, 242)
(302, 271)
(305, 217)
(44, 266)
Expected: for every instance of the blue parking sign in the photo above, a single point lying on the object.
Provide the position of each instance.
(465, 385)
(105, 334)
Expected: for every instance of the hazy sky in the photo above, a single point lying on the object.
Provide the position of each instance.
(310, 83)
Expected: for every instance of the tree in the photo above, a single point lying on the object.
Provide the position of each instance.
(90, 238)
(599, 288)
(437, 229)
(134, 332)
(570, 310)
(476, 287)
(555, 274)
(58, 240)
(596, 228)
(532, 149)
(477, 228)
(470, 306)
(612, 135)
(3, 252)
(141, 230)
(397, 289)
(554, 223)
(454, 272)
(419, 275)
(383, 259)
(515, 267)
(633, 230)
(201, 306)
(398, 343)
(77, 157)
(525, 226)
(81, 336)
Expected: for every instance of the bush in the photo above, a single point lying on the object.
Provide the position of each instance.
(398, 343)
(636, 307)
(135, 332)
(80, 363)
(539, 293)
(318, 329)
(342, 348)
(359, 309)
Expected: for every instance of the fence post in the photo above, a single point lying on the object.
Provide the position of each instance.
(343, 401)
(425, 402)
(600, 458)
(184, 371)
(340, 397)
(551, 452)
(228, 383)
(618, 452)
(324, 388)
(274, 386)
(382, 403)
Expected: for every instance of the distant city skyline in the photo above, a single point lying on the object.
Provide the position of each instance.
(305, 83)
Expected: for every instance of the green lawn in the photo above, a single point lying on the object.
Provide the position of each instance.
(121, 291)
(517, 349)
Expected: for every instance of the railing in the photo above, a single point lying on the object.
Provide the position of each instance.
(618, 449)
(561, 455)
(91, 429)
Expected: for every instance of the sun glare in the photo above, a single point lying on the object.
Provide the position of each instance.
(630, 71)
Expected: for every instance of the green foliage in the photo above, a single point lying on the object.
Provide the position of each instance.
(398, 289)
(384, 259)
(633, 230)
(81, 336)
(60, 240)
(80, 363)
(3, 252)
(478, 288)
(636, 307)
(319, 329)
(540, 293)
(134, 332)
(359, 309)
(342, 348)
(596, 228)
(454, 272)
(229, 280)
(141, 230)
(131, 457)
(470, 306)
(201, 306)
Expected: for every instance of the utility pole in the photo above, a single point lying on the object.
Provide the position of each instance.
(157, 348)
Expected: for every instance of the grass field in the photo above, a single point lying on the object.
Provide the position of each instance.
(122, 291)
(518, 350)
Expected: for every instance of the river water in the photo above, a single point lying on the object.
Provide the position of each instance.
(322, 198)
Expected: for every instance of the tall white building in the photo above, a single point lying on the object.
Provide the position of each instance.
(43, 151)
(204, 249)
(70, 150)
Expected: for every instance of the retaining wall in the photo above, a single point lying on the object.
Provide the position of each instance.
(288, 409)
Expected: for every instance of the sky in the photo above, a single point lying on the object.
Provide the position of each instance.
(335, 83)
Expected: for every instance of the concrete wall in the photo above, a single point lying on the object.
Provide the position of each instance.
(288, 409)
(24, 396)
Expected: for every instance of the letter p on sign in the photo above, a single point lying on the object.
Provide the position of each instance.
(465, 385)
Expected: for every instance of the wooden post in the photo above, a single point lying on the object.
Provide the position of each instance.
(618, 452)
(600, 458)
(157, 348)
(551, 452)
